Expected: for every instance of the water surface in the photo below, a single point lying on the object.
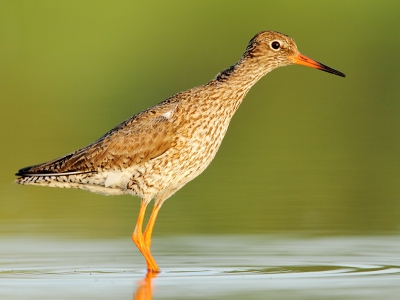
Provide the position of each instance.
(203, 267)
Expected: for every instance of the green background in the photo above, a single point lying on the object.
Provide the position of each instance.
(306, 152)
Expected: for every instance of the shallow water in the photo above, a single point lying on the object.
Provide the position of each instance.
(203, 267)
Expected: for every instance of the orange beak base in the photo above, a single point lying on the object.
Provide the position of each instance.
(300, 59)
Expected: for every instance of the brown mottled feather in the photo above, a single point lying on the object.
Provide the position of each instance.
(136, 140)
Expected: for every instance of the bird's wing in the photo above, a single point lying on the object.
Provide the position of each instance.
(136, 140)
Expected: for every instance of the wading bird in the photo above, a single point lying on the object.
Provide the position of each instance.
(157, 151)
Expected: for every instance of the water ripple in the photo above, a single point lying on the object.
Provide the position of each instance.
(204, 268)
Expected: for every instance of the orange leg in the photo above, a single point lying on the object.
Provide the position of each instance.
(150, 225)
(137, 238)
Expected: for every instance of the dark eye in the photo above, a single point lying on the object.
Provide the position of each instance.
(275, 45)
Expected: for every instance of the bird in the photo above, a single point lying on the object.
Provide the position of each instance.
(156, 152)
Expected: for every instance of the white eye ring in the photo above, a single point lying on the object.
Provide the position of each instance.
(275, 45)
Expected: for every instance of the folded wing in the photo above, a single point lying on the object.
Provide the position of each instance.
(136, 140)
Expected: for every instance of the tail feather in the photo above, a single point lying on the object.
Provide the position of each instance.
(24, 172)
(40, 175)
(58, 167)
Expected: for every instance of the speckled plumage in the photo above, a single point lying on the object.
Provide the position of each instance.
(156, 152)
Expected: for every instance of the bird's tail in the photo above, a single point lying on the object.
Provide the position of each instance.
(58, 170)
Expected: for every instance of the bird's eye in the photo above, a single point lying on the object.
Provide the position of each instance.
(275, 45)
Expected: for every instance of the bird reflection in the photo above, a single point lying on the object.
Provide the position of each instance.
(144, 291)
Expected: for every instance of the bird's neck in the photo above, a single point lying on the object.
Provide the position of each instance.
(237, 80)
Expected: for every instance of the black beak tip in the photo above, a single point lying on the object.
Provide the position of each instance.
(332, 71)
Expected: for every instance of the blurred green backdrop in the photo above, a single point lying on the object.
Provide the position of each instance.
(307, 151)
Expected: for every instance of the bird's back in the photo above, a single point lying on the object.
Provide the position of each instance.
(133, 142)
(162, 147)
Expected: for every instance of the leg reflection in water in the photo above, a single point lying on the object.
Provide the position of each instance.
(144, 291)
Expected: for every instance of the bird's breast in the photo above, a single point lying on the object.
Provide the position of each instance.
(199, 131)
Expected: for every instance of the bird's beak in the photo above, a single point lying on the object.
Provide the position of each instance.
(303, 60)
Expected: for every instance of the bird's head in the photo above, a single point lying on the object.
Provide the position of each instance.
(274, 49)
